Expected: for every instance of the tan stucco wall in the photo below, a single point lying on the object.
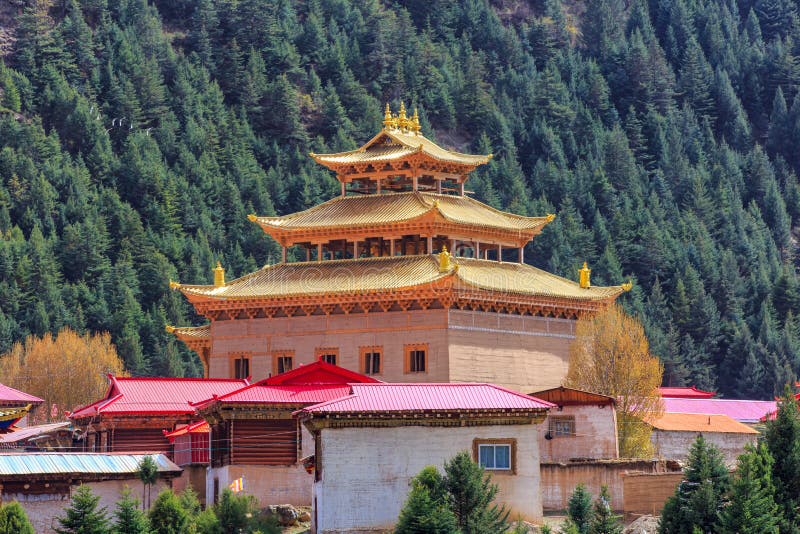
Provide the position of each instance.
(521, 353)
(595, 435)
(675, 445)
(44, 510)
(366, 475)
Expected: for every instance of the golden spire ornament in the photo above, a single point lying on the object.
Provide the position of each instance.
(415, 127)
(585, 274)
(388, 121)
(219, 275)
(402, 120)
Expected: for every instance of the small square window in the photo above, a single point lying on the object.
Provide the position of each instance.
(496, 454)
(282, 361)
(371, 360)
(240, 365)
(561, 426)
(416, 358)
(328, 355)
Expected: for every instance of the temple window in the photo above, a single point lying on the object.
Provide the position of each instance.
(496, 454)
(240, 365)
(416, 358)
(372, 360)
(282, 361)
(561, 426)
(327, 354)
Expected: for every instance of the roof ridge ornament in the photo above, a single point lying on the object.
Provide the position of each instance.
(446, 263)
(219, 275)
(174, 285)
(627, 286)
(585, 276)
(550, 217)
(169, 329)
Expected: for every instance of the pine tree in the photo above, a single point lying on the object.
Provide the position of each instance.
(472, 495)
(782, 438)
(699, 497)
(82, 516)
(167, 516)
(604, 521)
(579, 508)
(426, 508)
(14, 520)
(129, 519)
(752, 506)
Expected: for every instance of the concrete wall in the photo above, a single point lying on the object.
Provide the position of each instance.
(674, 445)
(559, 479)
(44, 510)
(366, 476)
(518, 352)
(521, 353)
(271, 484)
(595, 435)
(194, 476)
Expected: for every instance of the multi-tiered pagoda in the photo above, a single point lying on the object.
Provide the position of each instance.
(403, 276)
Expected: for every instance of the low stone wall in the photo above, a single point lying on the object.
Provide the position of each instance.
(559, 479)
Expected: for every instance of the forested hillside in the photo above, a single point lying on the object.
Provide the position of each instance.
(135, 138)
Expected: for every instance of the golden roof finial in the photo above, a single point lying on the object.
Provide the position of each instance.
(388, 121)
(252, 217)
(415, 126)
(627, 286)
(402, 120)
(169, 328)
(174, 285)
(585, 276)
(550, 217)
(219, 275)
(445, 263)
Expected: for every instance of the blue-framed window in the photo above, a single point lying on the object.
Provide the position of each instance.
(495, 456)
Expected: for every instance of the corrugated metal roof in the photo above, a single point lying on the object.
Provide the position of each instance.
(129, 395)
(695, 422)
(318, 372)
(9, 394)
(198, 427)
(428, 397)
(685, 393)
(47, 463)
(745, 411)
(265, 393)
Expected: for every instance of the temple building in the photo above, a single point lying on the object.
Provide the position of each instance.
(403, 277)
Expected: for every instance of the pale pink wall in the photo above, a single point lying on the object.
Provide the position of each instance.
(595, 434)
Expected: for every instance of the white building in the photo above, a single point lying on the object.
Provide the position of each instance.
(370, 444)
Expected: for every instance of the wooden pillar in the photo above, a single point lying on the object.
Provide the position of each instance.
(522, 254)
(344, 189)
(499, 252)
(413, 183)
(430, 245)
(391, 246)
(378, 189)
(439, 186)
(461, 188)
(308, 253)
(319, 251)
(477, 250)
(355, 249)
(452, 247)
(283, 254)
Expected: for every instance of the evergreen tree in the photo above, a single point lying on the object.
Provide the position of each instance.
(699, 498)
(579, 509)
(603, 519)
(82, 516)
(14, 520)
(782, 438)
(167, 516)
(426, 508)
(471, 496)
(129, 519)
(752, 505)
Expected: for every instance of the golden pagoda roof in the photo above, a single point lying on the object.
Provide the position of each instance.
(191, 333)
(394, 143)
(394, 274)
(397, 207)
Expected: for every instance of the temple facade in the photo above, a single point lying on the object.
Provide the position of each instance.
(403, 277)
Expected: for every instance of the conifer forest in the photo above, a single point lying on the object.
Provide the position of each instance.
(136, 137)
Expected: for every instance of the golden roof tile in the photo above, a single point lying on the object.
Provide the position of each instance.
(190, 332)
(390, 274)
(396, 143)
(397, 207)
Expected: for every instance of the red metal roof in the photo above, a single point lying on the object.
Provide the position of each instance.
(146, 395)
(685, 393)
(197, 427)
(744, 411)
(262, 393)
(428, 397)
(319, 372)
(9, 395)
